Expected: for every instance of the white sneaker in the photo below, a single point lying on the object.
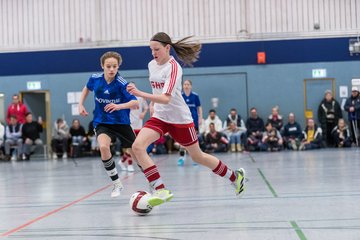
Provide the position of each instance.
(118, 187)
(130, 168)
(54, 156)
(122, 165)
(65, 155)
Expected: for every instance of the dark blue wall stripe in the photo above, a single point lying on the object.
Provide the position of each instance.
(214, 54)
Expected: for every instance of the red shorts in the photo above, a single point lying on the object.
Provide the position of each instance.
(184, 134)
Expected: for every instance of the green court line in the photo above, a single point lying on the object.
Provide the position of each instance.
(268, 183)
(252, 158)
(298, 230)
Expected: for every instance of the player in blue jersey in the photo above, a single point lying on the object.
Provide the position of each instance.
(193, 101)
(111, 114)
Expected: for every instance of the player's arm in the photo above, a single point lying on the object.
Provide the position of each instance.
(83, 96)
(111, 107)
(162, 98)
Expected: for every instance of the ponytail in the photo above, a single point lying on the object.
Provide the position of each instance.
(187, 51)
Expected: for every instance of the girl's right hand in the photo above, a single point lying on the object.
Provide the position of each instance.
(82, 110)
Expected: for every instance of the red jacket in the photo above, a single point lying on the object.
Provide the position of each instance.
(18, 110)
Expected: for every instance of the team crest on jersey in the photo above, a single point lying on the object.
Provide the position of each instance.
(106, 91)
(158, 85)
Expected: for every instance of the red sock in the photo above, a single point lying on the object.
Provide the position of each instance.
(153, 176)
(222, 170)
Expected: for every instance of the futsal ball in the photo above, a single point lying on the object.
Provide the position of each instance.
(139, 203)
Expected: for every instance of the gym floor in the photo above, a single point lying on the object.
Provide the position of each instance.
(290, 195)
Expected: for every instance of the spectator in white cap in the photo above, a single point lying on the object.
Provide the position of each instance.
(352, 106)
(329, 113)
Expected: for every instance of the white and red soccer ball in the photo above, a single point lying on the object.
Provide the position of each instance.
(139, 203)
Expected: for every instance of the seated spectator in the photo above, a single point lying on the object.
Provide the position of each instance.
(159, 146)
(292, 133)
(92, 138)
(13, 138)
(276, 119)
(2, 136)
(78, 137)
(213, 118)
(77, 133)
(329, 113)
(31, 134)
(215, 141)
(255, 128)
(234, 128)
(311, 136)
(59, 141)
(341, 134)
(271, 140)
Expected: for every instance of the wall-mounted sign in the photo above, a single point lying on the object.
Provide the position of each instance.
(319, 73)
(33, 85)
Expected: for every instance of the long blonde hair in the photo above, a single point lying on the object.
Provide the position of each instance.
(186, 50)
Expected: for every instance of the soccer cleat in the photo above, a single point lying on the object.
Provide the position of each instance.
(118, 187)
(130, 168)
(159, 197)
(181, 161)
(122, 166)
(239, 183)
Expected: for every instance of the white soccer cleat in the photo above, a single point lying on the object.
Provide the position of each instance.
(118, 187)
(130, 168)
(122, 166)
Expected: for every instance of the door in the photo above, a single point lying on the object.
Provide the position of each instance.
(314, 90)
(38, 103)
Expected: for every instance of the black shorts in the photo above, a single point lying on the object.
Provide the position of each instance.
(122, 131)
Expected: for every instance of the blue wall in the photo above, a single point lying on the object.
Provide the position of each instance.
(227, 71)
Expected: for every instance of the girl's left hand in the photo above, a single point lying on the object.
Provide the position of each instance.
(111, 107)
(133, 90)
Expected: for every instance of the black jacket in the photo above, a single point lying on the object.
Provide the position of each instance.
(329, 112)
(31, 130)
(254, 125)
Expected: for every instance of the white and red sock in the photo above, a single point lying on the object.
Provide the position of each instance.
(153, 176)
(223, 171)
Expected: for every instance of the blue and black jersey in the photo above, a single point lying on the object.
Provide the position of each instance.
(193, 102)
(104, 93)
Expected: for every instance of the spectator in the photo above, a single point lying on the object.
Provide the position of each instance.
(311, 137)
(59, 141)
(13, 138)
(215, 141)
(352, 106)
(16, 108)
(292, 133)
(234, 128)
(341, 134)
(2, 136)
(31, 134)
(77, 133)
(255, 129)
(78, 138)
(276, 119)
(329, 113)
(213, 118)
(92, 138)
(271, 140)
(159, 146)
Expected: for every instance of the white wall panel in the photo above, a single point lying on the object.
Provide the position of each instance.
(26, 24)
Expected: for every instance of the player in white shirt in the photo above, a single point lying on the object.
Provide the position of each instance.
(169, 113)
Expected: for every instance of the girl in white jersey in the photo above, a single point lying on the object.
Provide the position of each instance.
(171, 114)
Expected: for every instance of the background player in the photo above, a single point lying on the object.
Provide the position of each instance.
(171, 114)
(136, 119)
(111, 114)
(193, 101)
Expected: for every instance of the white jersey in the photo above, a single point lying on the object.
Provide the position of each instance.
(136, 122)
(166, 79)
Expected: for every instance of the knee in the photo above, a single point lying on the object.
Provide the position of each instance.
(137, 148)
(104, 148)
